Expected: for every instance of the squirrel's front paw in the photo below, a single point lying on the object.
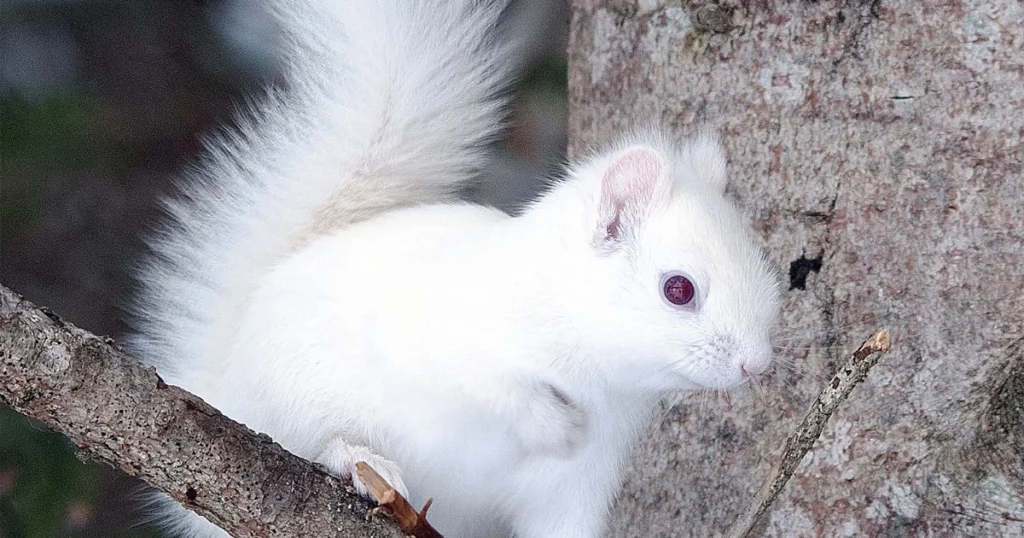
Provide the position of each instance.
(550, 422)
(341, 458)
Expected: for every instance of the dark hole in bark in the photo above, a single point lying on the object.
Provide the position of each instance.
(800, 268)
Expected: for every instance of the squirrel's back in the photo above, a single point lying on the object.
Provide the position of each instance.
(387, 103)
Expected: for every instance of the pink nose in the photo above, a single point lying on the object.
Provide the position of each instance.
(752, 369)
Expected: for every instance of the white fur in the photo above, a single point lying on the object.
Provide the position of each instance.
(503, 366)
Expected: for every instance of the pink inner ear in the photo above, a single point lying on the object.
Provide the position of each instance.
(629, 184)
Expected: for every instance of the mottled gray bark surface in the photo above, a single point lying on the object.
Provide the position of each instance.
(117, 411)
(878, 146)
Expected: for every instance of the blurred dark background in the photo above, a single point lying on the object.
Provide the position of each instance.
(102, 105)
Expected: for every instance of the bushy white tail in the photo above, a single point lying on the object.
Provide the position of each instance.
(388, 103)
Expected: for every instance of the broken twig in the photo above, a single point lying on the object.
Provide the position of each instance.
(801, 441)
(392, 503)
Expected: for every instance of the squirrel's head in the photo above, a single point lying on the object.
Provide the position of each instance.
(683, 294)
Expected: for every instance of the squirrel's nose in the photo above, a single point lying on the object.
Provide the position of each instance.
(757, 362)
(751, 369)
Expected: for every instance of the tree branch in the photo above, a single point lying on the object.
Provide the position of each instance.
(800, 442)
(392, 503)
(117, 411)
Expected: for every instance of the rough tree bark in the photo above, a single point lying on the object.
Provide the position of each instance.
(117, 411)
(879, 148)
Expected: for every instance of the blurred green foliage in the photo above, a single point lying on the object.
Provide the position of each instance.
(37, 138)
(45, 490)
(46, 132)
(40, 478)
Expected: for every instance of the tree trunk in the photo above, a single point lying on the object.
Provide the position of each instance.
(878, 147)
(117, 411)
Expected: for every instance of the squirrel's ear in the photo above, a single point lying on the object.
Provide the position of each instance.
(706, 159)
(628, 188)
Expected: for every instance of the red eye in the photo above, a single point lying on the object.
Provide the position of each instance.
(678, 290)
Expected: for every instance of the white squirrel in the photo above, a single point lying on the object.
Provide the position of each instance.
(322, 283)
